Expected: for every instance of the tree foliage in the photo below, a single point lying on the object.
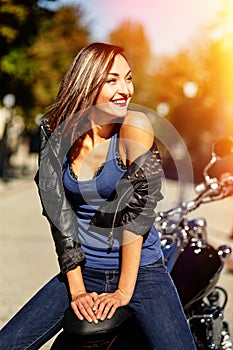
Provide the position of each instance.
(20, 23)
(131, 35)
(207, 63)
(37, 45)
(52, 53)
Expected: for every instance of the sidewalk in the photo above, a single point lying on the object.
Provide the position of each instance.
(28, 258)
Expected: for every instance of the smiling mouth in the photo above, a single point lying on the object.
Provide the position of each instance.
(120, 102)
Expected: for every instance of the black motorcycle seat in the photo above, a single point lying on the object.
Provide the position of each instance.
(72, 325)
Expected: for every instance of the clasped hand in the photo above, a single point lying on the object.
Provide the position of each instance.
(94, 307)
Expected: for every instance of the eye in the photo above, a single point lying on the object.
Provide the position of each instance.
(129, 79)
(111, 81)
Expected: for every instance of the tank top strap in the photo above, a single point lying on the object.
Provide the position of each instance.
(112, 148)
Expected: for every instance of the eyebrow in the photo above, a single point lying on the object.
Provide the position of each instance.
(117, 75)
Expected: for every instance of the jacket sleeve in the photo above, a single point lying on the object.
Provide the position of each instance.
(133, 204)
(139, 213)
(57, 208)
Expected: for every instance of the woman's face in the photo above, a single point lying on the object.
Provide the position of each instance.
(117, 90)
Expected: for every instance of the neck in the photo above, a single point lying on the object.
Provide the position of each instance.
(103, 131)
(104, 124)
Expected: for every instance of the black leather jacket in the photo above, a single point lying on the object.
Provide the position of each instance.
(131, 205)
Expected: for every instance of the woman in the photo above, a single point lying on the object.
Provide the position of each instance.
(99, 181)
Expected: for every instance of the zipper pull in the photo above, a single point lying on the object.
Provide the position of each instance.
(110, 239)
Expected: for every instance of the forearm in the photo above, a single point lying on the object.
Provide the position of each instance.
(75, 281)
(107, 303)
(82, 302)
(131, 253)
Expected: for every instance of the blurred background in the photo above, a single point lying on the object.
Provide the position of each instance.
(181, 53)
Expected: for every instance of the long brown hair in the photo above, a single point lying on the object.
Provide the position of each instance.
(82, 83)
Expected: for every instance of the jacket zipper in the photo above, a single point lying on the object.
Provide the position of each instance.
(111, 234)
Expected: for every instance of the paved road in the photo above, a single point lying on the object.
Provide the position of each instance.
(28, 260)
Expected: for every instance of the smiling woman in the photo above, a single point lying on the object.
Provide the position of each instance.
(117, 91)
(99, 182)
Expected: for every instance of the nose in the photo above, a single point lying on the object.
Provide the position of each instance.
(123, 88)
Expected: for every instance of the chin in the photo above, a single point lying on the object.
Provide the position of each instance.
(119, 112)
(113, 110)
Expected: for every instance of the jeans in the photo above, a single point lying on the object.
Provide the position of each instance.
(155, 303)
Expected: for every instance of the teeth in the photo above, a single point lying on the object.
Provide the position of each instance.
(120, 102)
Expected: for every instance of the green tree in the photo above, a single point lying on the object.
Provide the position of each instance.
(20, 25)
(132, 37)
(217, 56)
(207, 62)
(16, 17)
(53, 51)
(37, 45)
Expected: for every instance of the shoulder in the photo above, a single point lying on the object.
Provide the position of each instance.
(137, 134)
(138, 127)
(138, 120)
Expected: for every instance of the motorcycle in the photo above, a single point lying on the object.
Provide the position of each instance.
(195, 267)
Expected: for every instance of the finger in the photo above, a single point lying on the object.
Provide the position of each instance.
(90, 312)
(97, 302)
(102, 314)
(104, 308)
(94, 296)
(76, 311)
(88, 315)
(110, 309)
(83, 305)
(101, 307)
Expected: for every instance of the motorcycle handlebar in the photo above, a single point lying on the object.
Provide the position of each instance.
(216, 190)
(218, 182)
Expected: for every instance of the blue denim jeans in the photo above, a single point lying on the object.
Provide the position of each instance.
(155, 303)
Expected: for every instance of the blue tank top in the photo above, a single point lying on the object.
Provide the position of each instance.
(85, 197)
